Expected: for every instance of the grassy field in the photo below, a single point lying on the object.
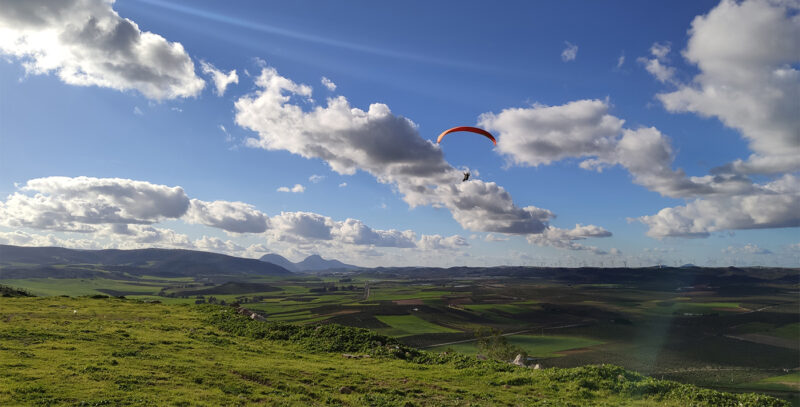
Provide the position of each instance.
(82, 351)
(404, 325)
(536, 346)
(699, 336)
(76, 287)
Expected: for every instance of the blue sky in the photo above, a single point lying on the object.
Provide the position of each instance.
(629, 133)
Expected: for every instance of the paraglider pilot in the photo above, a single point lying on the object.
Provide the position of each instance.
(466, 177)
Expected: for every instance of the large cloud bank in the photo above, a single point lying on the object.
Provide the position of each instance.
(86, 43)
(383, 144)
(125, 214)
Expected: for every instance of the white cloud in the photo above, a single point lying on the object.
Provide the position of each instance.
(302, 225)
(316, 178)
(376, 141)
(354, 231)
(328, 84)
(122, 236)
(747, 53)
(660, 51)
(77, 204)
(620, 61)
(120, 213)
(221, 79)
(656, 66)
(544, 134)
(438, 242)
(566, 238)
(86, 43)
(570, 52)
(746, 249)
(584, 129)
(297, 188)
(214, 244)
(492, 237)
(773, 205)
(137, 111)
(228, 136)
(308, 227)
(20, 238)
(236, 217)
(342, 185)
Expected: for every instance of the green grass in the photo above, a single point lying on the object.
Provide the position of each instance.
(394, 293)
(124, 352)
(788, 331)
(512, 308)
(536, 346)
(405, 325)
(790, 381)
(77, 287)
(680, 307)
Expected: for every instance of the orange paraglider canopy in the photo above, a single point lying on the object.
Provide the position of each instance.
(469, 129)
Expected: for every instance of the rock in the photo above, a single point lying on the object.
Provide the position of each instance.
(347, 356)
(345, 390)
(536, 366)
(480, 357)
(519, 360)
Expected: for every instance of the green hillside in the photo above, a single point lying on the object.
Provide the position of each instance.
(107, 351)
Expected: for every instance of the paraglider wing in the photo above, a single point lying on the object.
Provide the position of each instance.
(469, 129)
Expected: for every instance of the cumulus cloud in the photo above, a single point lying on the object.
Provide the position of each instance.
(316, 178)
(236, 217)
(773, 205)
(746, 249)
(570, 52)
(303, 225)
(77, 204)
(20, 238)
(221, 79)
(297, 188)
(747, 54)
(86, 43)
(121, 213)
(385, 145)
(310, 227)
(567, 238)
(656, 66)
(492, 237)
(354, 231)
(328, 84)
(215, 244)
(541, 135)
(438, 242)
(342, 185)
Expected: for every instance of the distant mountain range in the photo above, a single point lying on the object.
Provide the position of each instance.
(32, 262)
(309, 264)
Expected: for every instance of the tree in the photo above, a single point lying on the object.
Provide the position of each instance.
(492, 344)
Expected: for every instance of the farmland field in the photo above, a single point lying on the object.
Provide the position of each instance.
(730, 336)
(404, 325)
(536, 346)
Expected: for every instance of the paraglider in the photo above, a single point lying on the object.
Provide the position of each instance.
(466, 177)
(469, 129)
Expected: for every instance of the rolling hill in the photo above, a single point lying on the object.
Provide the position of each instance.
(42, 262)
